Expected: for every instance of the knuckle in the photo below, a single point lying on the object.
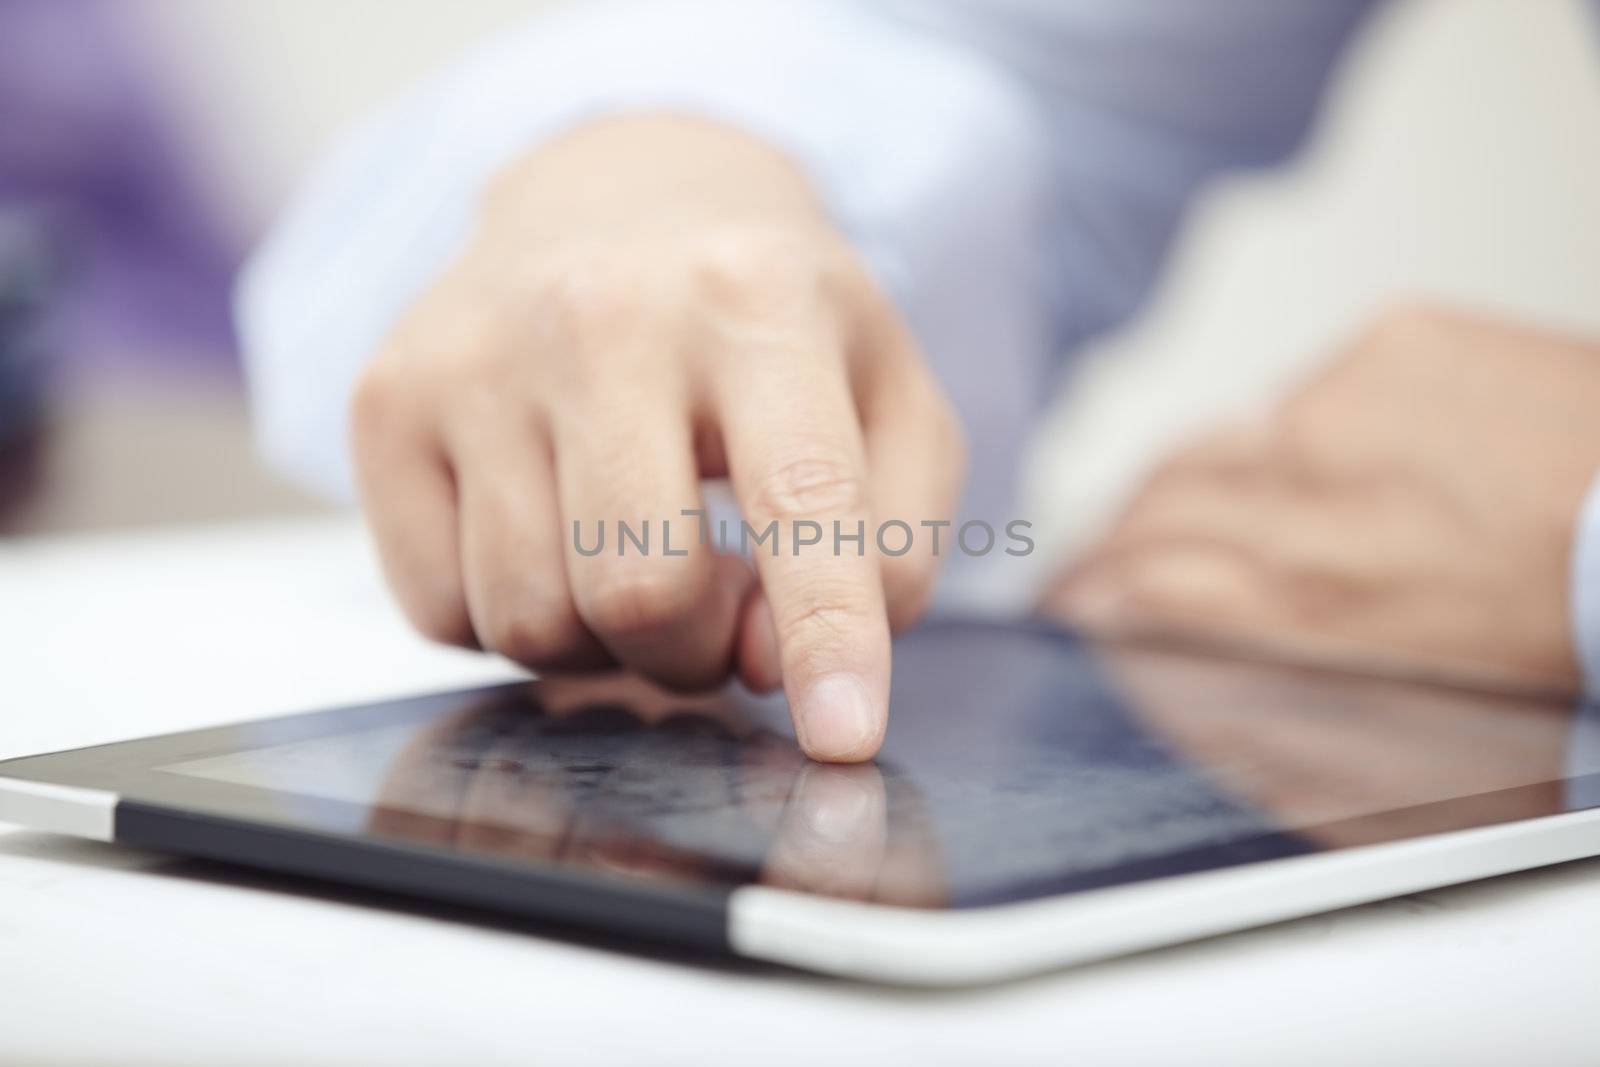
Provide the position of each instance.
(1306, 441)
(1406, 323)
(817, 484)
(443, 620)
(629, 602)
(531, 626)
(1193, 582)
(1234, 448)
(1141, 587)
(1150, 514)
(377, 403)
(816, 635)
(1316, 595)
(1411, 337)
(1176, 476)
(438, 371)
(585, 299)
(754, 271)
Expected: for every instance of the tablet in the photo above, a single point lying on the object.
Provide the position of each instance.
(1042, 800)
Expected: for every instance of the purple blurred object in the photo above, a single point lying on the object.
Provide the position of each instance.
(87, 161)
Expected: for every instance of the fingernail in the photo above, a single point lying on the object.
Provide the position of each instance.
(836, 808)
(836, 719)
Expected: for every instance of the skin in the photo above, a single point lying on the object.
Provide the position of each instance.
(1413, 507)
(646, 303)
(651, 302)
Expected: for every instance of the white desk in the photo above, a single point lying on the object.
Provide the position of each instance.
(113, 956)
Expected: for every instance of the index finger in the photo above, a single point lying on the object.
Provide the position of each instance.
(798, 467)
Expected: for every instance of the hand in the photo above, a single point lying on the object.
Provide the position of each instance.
(647, 303)
(1416, 502)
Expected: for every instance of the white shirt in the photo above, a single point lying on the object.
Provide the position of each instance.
(1012, 170)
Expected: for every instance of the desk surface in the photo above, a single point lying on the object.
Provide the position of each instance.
(112, 955)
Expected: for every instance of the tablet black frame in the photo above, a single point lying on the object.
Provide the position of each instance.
(234, 823)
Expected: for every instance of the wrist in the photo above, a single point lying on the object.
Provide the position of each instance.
(629, 171)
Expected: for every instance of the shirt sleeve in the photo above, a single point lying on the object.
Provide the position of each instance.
(874, 114)
(1012, 170)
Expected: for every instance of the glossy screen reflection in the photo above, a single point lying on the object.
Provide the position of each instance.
(1020, 762)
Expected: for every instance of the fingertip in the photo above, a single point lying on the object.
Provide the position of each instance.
(838, 720)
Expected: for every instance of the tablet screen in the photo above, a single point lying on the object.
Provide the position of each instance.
(1020, 762)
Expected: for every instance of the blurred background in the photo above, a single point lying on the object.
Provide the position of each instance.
(146, 144)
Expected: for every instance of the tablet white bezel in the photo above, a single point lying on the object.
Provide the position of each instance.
(963, 947)
(953, 947)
